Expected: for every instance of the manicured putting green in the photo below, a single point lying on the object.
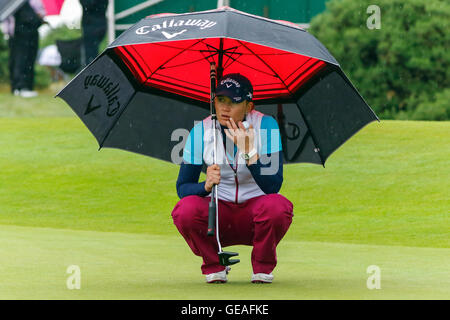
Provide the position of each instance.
(116, 265)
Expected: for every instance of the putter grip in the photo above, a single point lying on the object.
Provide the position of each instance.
(211, 217)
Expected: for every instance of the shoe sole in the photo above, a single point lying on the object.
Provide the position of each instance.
(260, 281)
(217, 281)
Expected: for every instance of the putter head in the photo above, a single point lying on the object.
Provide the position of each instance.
(224, 258)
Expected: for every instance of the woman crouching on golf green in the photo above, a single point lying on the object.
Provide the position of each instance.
(248, 175)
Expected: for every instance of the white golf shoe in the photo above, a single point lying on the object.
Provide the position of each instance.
(218, 277)
(262, 278)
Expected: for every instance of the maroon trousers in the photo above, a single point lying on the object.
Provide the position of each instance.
(260, 222)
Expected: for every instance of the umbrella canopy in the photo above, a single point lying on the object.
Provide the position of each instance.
(9, 7)
(53, 7)
(154, 79)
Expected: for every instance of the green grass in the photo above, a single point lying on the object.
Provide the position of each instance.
(41, 106)
(382, 199)
(132, 266)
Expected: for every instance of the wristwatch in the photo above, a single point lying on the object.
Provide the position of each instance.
(247, 156)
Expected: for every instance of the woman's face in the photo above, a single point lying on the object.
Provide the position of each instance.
(226, 109)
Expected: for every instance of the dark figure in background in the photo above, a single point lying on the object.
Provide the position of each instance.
(93, 25)
(23, 44)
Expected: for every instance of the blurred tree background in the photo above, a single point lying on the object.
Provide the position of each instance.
(4, 53)
(402, 69)
(60, 33)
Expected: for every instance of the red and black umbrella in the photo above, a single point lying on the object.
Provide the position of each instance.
(155, 78)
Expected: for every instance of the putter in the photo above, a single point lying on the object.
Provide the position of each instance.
(213, 212)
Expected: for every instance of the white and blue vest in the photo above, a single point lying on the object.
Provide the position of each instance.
(236, 182)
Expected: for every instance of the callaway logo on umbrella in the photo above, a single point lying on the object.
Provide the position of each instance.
(169, 24)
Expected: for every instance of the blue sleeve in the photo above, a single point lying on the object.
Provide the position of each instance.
(270, 136)
(187, 182)
(190, 169)
(268, 170)
(268, 176)
(193, 149)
